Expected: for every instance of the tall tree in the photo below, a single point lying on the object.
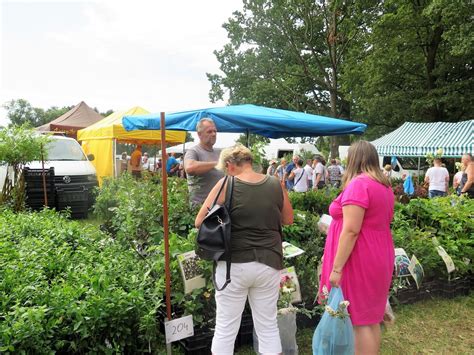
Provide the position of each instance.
(416, 65)
(20, 112)
(289, 53)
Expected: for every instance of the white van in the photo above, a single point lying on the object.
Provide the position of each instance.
(74, 176)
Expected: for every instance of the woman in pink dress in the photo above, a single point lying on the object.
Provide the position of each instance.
(359, 252)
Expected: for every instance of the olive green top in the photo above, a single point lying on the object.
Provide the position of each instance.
(256, 222)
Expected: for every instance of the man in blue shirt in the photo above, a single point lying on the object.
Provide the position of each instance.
(171, 164)
(289, 169)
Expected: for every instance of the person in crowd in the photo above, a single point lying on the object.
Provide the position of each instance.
(438, 179)
(272, 168)
(289, 168)
(467, 180)
(158, 165)
(181, 172)
(299, 177)
(309, 172)
(136, 162)
(145, 162)
(387, 171)
(260, 205)
(172, 165)
(339, 164)
(319, 173)
(281, 169)
(200, 162)
(334, 174)
(359, 250)
(123, 163)
(458, 178)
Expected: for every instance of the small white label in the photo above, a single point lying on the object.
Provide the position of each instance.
(446, 258)
(180, 328)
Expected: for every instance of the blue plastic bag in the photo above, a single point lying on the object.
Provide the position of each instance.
(334, 334)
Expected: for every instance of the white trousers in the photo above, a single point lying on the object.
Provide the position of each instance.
(260, 283)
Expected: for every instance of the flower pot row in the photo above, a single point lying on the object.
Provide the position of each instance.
(435, 288)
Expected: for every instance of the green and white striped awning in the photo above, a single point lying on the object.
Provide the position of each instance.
(418, 139)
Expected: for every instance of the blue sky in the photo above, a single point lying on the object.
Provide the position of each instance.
(111, 54)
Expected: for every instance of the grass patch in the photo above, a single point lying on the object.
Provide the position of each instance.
(438, 326)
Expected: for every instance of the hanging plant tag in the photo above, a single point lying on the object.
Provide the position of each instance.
(191, 272)
(178, 329)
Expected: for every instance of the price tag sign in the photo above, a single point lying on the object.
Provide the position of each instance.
(180, 328)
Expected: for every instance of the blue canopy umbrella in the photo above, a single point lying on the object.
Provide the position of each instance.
(267, 122)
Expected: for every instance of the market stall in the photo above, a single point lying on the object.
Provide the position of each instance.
(101, 138)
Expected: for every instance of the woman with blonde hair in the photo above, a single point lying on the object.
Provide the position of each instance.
(359, 251)
(260, 205)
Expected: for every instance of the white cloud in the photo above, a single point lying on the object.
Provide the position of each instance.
(112, 54)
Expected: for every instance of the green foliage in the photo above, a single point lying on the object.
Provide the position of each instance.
(69, 289)
(314, 201)
(416, 65)
(199, 303)
(133, 210)
(20, 112)
(252, 139)
(19, 145)
(449, 219)
(289, 54)
(304, 233)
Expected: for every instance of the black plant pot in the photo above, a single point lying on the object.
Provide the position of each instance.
(199, 343)
(407, 295)
(429, 290)
(245, 335)
(304, 321)
(453, 288)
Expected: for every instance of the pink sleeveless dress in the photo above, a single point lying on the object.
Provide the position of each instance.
(367, 274)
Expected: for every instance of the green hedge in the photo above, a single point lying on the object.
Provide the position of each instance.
(314, 201)
(69, 289)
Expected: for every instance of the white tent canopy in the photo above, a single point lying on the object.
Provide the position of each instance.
(418, 139)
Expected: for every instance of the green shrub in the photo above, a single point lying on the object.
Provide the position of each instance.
(133, 210)
(70, 289)
(314, 201)
(449, 219)
(305, 234)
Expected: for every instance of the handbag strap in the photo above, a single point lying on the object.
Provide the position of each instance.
(220, 191)
(228, 205)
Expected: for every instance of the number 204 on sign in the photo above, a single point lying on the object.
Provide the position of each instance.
(180, 328)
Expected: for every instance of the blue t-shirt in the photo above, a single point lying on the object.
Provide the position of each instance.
(289, 169)
(170, 162)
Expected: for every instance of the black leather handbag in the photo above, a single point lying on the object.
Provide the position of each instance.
(213, 238)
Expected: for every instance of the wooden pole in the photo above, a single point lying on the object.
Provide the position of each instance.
(164, 185)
